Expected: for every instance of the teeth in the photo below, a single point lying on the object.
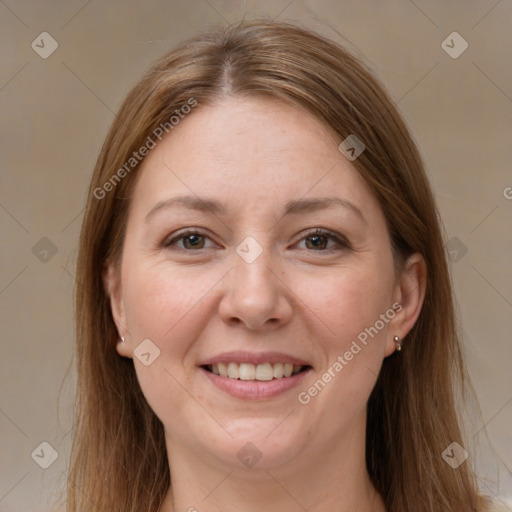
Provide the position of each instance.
(261, 372)
(223, 369)
(278, 370)
(233, 370)
(246, 371)
(264, 372)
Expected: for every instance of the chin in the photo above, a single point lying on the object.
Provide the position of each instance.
(259, 443)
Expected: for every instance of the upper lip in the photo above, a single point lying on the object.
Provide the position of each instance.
(254, 358)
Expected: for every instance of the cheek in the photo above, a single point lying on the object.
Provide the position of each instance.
(355, 308)
(172, 306)
(350, 301)
(160, 302)
(169, 308)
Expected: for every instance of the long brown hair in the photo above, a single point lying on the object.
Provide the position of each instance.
(119, 461)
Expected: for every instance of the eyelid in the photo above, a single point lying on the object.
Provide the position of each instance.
(339, 239)
(171, 240)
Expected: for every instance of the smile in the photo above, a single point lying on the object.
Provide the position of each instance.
(254, 376)
(258, 372)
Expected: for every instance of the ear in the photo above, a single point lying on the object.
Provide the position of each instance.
(409, 296)
(112, 284)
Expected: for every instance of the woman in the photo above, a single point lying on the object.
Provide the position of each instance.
(265, 316)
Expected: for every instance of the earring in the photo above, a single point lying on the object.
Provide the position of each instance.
(122, 339)
(398, 343)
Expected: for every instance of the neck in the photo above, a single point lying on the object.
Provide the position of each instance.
(327, 479)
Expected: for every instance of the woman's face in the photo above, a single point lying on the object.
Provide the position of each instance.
(253, 247)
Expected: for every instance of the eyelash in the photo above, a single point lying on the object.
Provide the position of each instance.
(342, 242)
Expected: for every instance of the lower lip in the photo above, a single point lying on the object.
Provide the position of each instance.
(253, 389)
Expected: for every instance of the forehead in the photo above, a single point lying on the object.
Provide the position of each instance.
(250, 151)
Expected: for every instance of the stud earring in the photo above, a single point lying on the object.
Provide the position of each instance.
(122, 339)
(398, 343)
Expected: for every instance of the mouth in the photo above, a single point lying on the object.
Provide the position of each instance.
(254, 376)
(262, 372)
(250, 376)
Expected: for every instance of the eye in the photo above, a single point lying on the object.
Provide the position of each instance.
(191, 240)
(319, 239)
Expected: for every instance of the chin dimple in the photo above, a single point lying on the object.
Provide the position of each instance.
(261, 372)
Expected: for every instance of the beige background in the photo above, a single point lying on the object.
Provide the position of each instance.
(55, 114)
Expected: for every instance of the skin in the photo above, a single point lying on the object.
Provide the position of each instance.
(254, 155)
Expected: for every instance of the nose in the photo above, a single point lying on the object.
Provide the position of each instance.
(255, 296)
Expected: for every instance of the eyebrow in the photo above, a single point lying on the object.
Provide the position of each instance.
(294, 207)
